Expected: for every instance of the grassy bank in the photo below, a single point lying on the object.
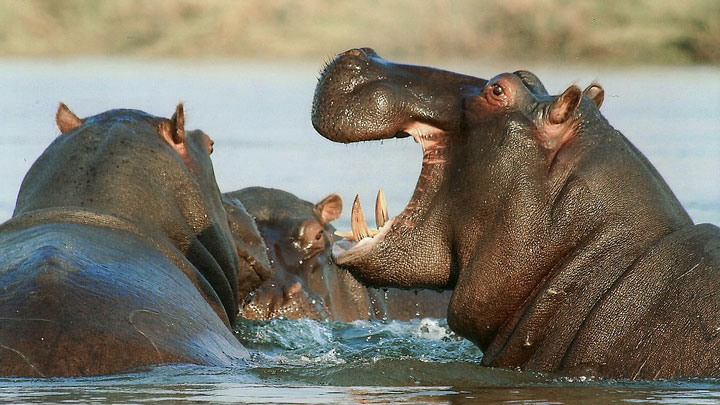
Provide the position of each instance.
(641, 31)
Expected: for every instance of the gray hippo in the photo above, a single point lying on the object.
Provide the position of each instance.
(305, 282)
(565, 249)
(118, 254)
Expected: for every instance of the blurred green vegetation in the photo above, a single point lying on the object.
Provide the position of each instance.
(610, 31)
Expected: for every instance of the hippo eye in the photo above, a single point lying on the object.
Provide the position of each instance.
(498, 90)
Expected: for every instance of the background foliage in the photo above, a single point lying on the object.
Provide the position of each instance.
(618, 32)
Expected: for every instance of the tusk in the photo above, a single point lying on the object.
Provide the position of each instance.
(381, 212)
(357, 221)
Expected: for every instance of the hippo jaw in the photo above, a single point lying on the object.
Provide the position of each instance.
(413, 242)
(360, 97)
(433, 142)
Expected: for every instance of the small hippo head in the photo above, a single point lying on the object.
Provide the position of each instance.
(304, 283)
(297, 233)
(152, 175)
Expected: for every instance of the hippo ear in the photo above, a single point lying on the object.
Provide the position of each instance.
(595, 93)
(329, 209)
(173, 131)
(65, 119)
(558, 126)
(178, 121)
(565, 105)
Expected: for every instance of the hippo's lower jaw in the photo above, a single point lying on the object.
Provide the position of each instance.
(347, 251)
(401, 233)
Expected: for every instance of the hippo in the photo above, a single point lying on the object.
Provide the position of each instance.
(565, 249)
(279, 293)
(118, 254)
(305, 282)
(255, 267)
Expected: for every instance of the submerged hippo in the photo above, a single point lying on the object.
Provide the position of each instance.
(118, 253)
(305, 282)
(565, 248)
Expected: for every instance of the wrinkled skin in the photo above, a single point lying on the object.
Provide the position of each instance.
(118, 254)
(565, 249)
(305, 283)
(254, 268)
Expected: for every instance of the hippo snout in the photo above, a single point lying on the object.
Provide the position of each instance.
(361, 96)
(353, 68)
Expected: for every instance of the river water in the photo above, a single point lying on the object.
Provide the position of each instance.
(258, 115)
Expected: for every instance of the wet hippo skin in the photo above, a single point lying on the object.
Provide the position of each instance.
(254, 268)
(305, 282)
(565, 249)
(118, 254)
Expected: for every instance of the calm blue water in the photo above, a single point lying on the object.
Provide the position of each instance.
(258, 114)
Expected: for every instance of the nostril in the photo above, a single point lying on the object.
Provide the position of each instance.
(369, 52)
(362, 53)
(352, 60)
(355, 52)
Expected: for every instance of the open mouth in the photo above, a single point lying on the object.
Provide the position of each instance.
(362, 97)
(362, 239)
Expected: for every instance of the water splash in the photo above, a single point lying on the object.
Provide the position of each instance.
(421, 351)
(306, 361)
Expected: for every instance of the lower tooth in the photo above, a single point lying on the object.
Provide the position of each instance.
(357, 221)
(381, 214)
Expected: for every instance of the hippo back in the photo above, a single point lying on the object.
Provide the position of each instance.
(87, 300)
(116, 164)
(117, 223)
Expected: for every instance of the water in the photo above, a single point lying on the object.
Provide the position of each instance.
(258, 114)
(420, 361)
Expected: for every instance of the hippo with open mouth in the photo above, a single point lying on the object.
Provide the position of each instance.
(565, 249)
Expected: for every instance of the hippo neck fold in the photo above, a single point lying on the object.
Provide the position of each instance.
(543, 334)
(575, 252)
